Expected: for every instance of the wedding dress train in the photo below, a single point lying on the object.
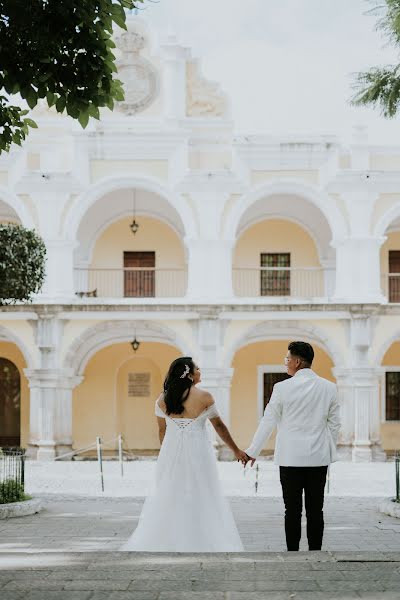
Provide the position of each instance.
(186, 510)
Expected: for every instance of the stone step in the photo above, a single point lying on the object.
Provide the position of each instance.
(219, 576)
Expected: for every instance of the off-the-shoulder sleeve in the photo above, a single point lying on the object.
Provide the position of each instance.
(158, 411)
(212, 411)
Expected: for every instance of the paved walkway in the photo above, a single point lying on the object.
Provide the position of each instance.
(132, 576)
(76, 524)
(83, 479)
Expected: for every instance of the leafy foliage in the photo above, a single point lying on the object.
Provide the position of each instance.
(59, 50)
(381, 86)
(11, 491)
(22, 263)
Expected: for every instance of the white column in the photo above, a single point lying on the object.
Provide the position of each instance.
(209, 269)
(358, 276)
(344, 380)
(59, 282)
(329, 266)
(174, 79)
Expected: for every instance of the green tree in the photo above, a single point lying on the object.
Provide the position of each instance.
(60, 50)
(22, 263)
(380, 86)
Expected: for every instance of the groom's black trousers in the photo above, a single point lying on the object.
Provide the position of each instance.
(312, 480)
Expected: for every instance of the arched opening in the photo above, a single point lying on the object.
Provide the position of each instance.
(8, 214)
(390, 263)
(112, 261)
(118, 393)
(10, 397)
(257, 366)
(283, 250)
(390, 398)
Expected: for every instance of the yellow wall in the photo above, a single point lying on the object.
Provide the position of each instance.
(390, 431)
(275, 235)
(153, 168)
(258, 177)
(392, 243)
(10, 351)
(244, 392)
(152, 235)
(101, 405)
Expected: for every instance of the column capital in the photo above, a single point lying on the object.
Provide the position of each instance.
(52, 378)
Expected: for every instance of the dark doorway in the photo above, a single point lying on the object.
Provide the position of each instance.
(276, 282)
(270, 379)
(10, 404)
(139, 283)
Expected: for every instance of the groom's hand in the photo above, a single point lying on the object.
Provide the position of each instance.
(251, 459)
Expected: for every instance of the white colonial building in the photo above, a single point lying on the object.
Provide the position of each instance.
(243, 244)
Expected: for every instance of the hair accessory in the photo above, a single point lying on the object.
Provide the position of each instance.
(186, 371)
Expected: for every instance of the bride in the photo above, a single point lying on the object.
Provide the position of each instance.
(186, 511)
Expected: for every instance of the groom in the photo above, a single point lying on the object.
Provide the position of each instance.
(306, 412)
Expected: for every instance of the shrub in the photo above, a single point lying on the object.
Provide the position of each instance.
(11, 491)
(22, 263)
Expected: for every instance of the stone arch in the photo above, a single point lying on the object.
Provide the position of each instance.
(109, 332)
(18, 207)
(6, 335)
(294, 187)
(275, 330)
(384, 347)
(110, 184)
(389, 217)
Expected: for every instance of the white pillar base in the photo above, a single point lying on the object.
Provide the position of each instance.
(361, 453)
(46, 451)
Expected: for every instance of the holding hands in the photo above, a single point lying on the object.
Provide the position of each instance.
(244, 458)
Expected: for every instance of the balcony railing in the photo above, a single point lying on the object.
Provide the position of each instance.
(131, 283)
(302, 282)
(391, 286)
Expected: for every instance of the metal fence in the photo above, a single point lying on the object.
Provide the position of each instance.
(131, 283)
(301, 282)
(12, 474)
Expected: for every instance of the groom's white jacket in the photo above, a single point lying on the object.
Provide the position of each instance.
(305, 411)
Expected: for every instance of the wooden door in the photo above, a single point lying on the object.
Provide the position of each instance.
(275, 283)
(139, 283)
(10, 401)
(394, 282)
(270, 379)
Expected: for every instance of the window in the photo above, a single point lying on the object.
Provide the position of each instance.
(275, 282)
(392, 396)
(394, 281)
(270, 379)
(139, 283)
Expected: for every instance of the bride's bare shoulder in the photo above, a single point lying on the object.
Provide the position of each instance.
(205, 397)
(161, 403)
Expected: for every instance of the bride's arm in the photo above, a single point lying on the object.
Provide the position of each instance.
(226, 437)
(161, 428)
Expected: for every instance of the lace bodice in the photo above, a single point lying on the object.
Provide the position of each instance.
(184, 424)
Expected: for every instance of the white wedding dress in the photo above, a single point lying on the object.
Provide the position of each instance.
(186, 510)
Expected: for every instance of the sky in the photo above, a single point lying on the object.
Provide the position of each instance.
(287, 65)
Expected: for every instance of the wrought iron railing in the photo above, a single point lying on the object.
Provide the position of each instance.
(391, 286)
(12, 475)
(131, 283)
(300, 282)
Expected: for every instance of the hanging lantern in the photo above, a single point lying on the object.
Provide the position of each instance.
(135, 345)
(134, 226)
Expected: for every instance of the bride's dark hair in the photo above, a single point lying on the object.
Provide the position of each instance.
(177, 384)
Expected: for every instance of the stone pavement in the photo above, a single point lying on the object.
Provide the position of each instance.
(70, 524)
(257, 576)
(67, 552)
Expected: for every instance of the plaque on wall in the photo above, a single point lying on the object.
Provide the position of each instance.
(138, 385)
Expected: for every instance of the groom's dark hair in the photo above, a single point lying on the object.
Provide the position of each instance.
(302, 350)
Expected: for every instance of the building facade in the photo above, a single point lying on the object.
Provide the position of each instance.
(243, 244)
